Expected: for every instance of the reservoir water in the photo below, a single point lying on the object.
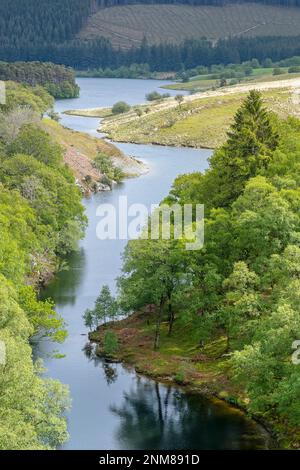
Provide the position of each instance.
(112, 406)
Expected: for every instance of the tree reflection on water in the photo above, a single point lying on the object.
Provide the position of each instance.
(155, 416)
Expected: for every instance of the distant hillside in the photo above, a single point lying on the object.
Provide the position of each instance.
(39, 22)
(87, 34)
(27, 25)
(126, 26)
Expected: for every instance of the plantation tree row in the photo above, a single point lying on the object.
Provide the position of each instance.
(108, 3)
(85, 55)
(25, 22)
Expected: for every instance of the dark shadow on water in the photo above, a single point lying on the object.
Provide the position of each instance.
(109, 369)
(110, 372)
(154, 416)
(64, 287)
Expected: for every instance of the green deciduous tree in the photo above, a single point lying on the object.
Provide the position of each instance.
(31, 409)
(41, 314)
(265, 367)
(242, 301)
(35, 142)
(153, 271)
(106, 309)
(120, 107)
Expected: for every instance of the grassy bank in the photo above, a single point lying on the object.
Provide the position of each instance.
(81, 149)
(202, 120)
(183, 362)
(92, 112)
(81, 141)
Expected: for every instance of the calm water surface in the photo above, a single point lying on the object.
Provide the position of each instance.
(114, 408)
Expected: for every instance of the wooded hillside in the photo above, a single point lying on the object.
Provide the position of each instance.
(57, 79)
(87, 34)
(126, 26)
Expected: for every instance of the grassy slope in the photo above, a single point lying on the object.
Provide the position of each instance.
(205, 82)
(91, 112)
(201, 121)
(180, 360)
(84, 143)
(81, 149)
(127, 25)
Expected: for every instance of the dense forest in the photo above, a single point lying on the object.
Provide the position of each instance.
(41, 221)
(109, 3)
(58, 80)
(25, 22)
(82, 55)
(241, 290)
(46, 31)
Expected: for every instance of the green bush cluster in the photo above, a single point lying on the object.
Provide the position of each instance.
(155, 96)
(109, 171)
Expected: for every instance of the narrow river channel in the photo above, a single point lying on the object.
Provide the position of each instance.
(113, 407)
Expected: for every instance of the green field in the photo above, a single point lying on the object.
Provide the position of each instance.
(127, 25)
(206, 82)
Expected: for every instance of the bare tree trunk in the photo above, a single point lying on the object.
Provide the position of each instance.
(171, 317)
(158, 323)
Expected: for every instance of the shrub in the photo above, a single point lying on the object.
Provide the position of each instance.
(179, 377)
(138, 112)
(255, 64)
(278, 71)
(239, 76)
(248, 71)
(179, 99)
(108, 170)
(267, 63)
(154, 96)
(228, 74)
(120, 107)
(201, 70)
(110, 343)
(294, 69)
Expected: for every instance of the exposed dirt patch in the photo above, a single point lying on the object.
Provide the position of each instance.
(81, 165)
